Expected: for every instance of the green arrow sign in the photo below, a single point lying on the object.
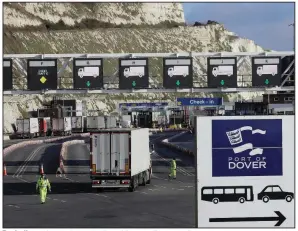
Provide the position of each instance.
(177, 82)
(134, 83)
(222, 82)
(88, 83)
(266, 81)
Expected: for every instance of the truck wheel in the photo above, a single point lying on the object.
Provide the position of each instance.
(143, 181)
(149, 180)
(132, 186)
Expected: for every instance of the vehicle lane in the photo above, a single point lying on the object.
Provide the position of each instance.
(163, 203)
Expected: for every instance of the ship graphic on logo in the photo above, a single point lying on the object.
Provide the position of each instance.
(235, 138)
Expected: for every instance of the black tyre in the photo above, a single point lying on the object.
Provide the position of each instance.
(265, 199)
(215, 200)
(241, 200)
(289, 198)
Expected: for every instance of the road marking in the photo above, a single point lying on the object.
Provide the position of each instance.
(101, 195)
(21, 169)
(179, 169)
(144, 192)
(14, 206)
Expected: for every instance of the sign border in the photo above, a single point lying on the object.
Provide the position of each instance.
(235, 70)
(48, 59)
(164, 74)
(266, 57)
(146, 70)
(11, 70)
(73, 72)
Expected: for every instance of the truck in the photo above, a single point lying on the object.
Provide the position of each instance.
(44, 126)
(88, 71)
(111, 122)
(267, 70)
(222, 70)
(178, 71)
(61, 126)
(134, 71)
(27, 127)
(78, 124)
(95, 123)
(120, 158)
(125, 121)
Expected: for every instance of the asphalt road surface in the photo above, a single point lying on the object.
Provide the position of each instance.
(187, 137)
(185, 141)
(72, 203)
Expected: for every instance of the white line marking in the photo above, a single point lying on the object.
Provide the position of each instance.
(179, 169)
(21, 169)
(144, 192)
(63, 201)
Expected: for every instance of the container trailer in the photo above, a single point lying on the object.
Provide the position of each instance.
(95, 123)
(120, 158)
(61, 126)
(78, 124)
(27, 127)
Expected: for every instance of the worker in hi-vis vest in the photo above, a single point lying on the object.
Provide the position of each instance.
(173, 169)
(42, 185)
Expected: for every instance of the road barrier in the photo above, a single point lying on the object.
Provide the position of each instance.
(14, 147)
(167, 143)
(63, 152)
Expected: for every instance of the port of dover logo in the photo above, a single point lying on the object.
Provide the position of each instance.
(247, 147)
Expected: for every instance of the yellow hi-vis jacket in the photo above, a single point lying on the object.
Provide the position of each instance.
(173, 165)
(43, 184)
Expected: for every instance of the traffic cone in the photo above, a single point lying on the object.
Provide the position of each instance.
(41, 169)
(4, 170)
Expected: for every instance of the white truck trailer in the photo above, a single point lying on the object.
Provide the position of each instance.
(95, 123)
(120, 158)
(78, 124)
(111, 122)
(61, 126)
(27, 127)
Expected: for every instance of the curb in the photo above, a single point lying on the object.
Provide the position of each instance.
(14, 147)
(63, 151)
(165, 142)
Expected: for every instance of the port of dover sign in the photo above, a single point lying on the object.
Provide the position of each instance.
(245, 169)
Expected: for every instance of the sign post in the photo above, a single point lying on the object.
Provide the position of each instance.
(199, 101)
(88, 73)
(177, 72)
(222, 72)
(266, 71)
(245, 169)
(133, 73)
(42, 74)
(7, 74)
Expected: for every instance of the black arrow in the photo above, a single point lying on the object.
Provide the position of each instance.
(280, 219)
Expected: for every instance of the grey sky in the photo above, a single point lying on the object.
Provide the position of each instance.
(265, 23)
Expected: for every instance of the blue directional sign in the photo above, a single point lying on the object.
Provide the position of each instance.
(164, 104)
(247, 148)
(199, 101)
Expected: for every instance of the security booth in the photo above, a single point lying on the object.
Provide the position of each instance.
(177, 116)
(144, 118)
(251, 108)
